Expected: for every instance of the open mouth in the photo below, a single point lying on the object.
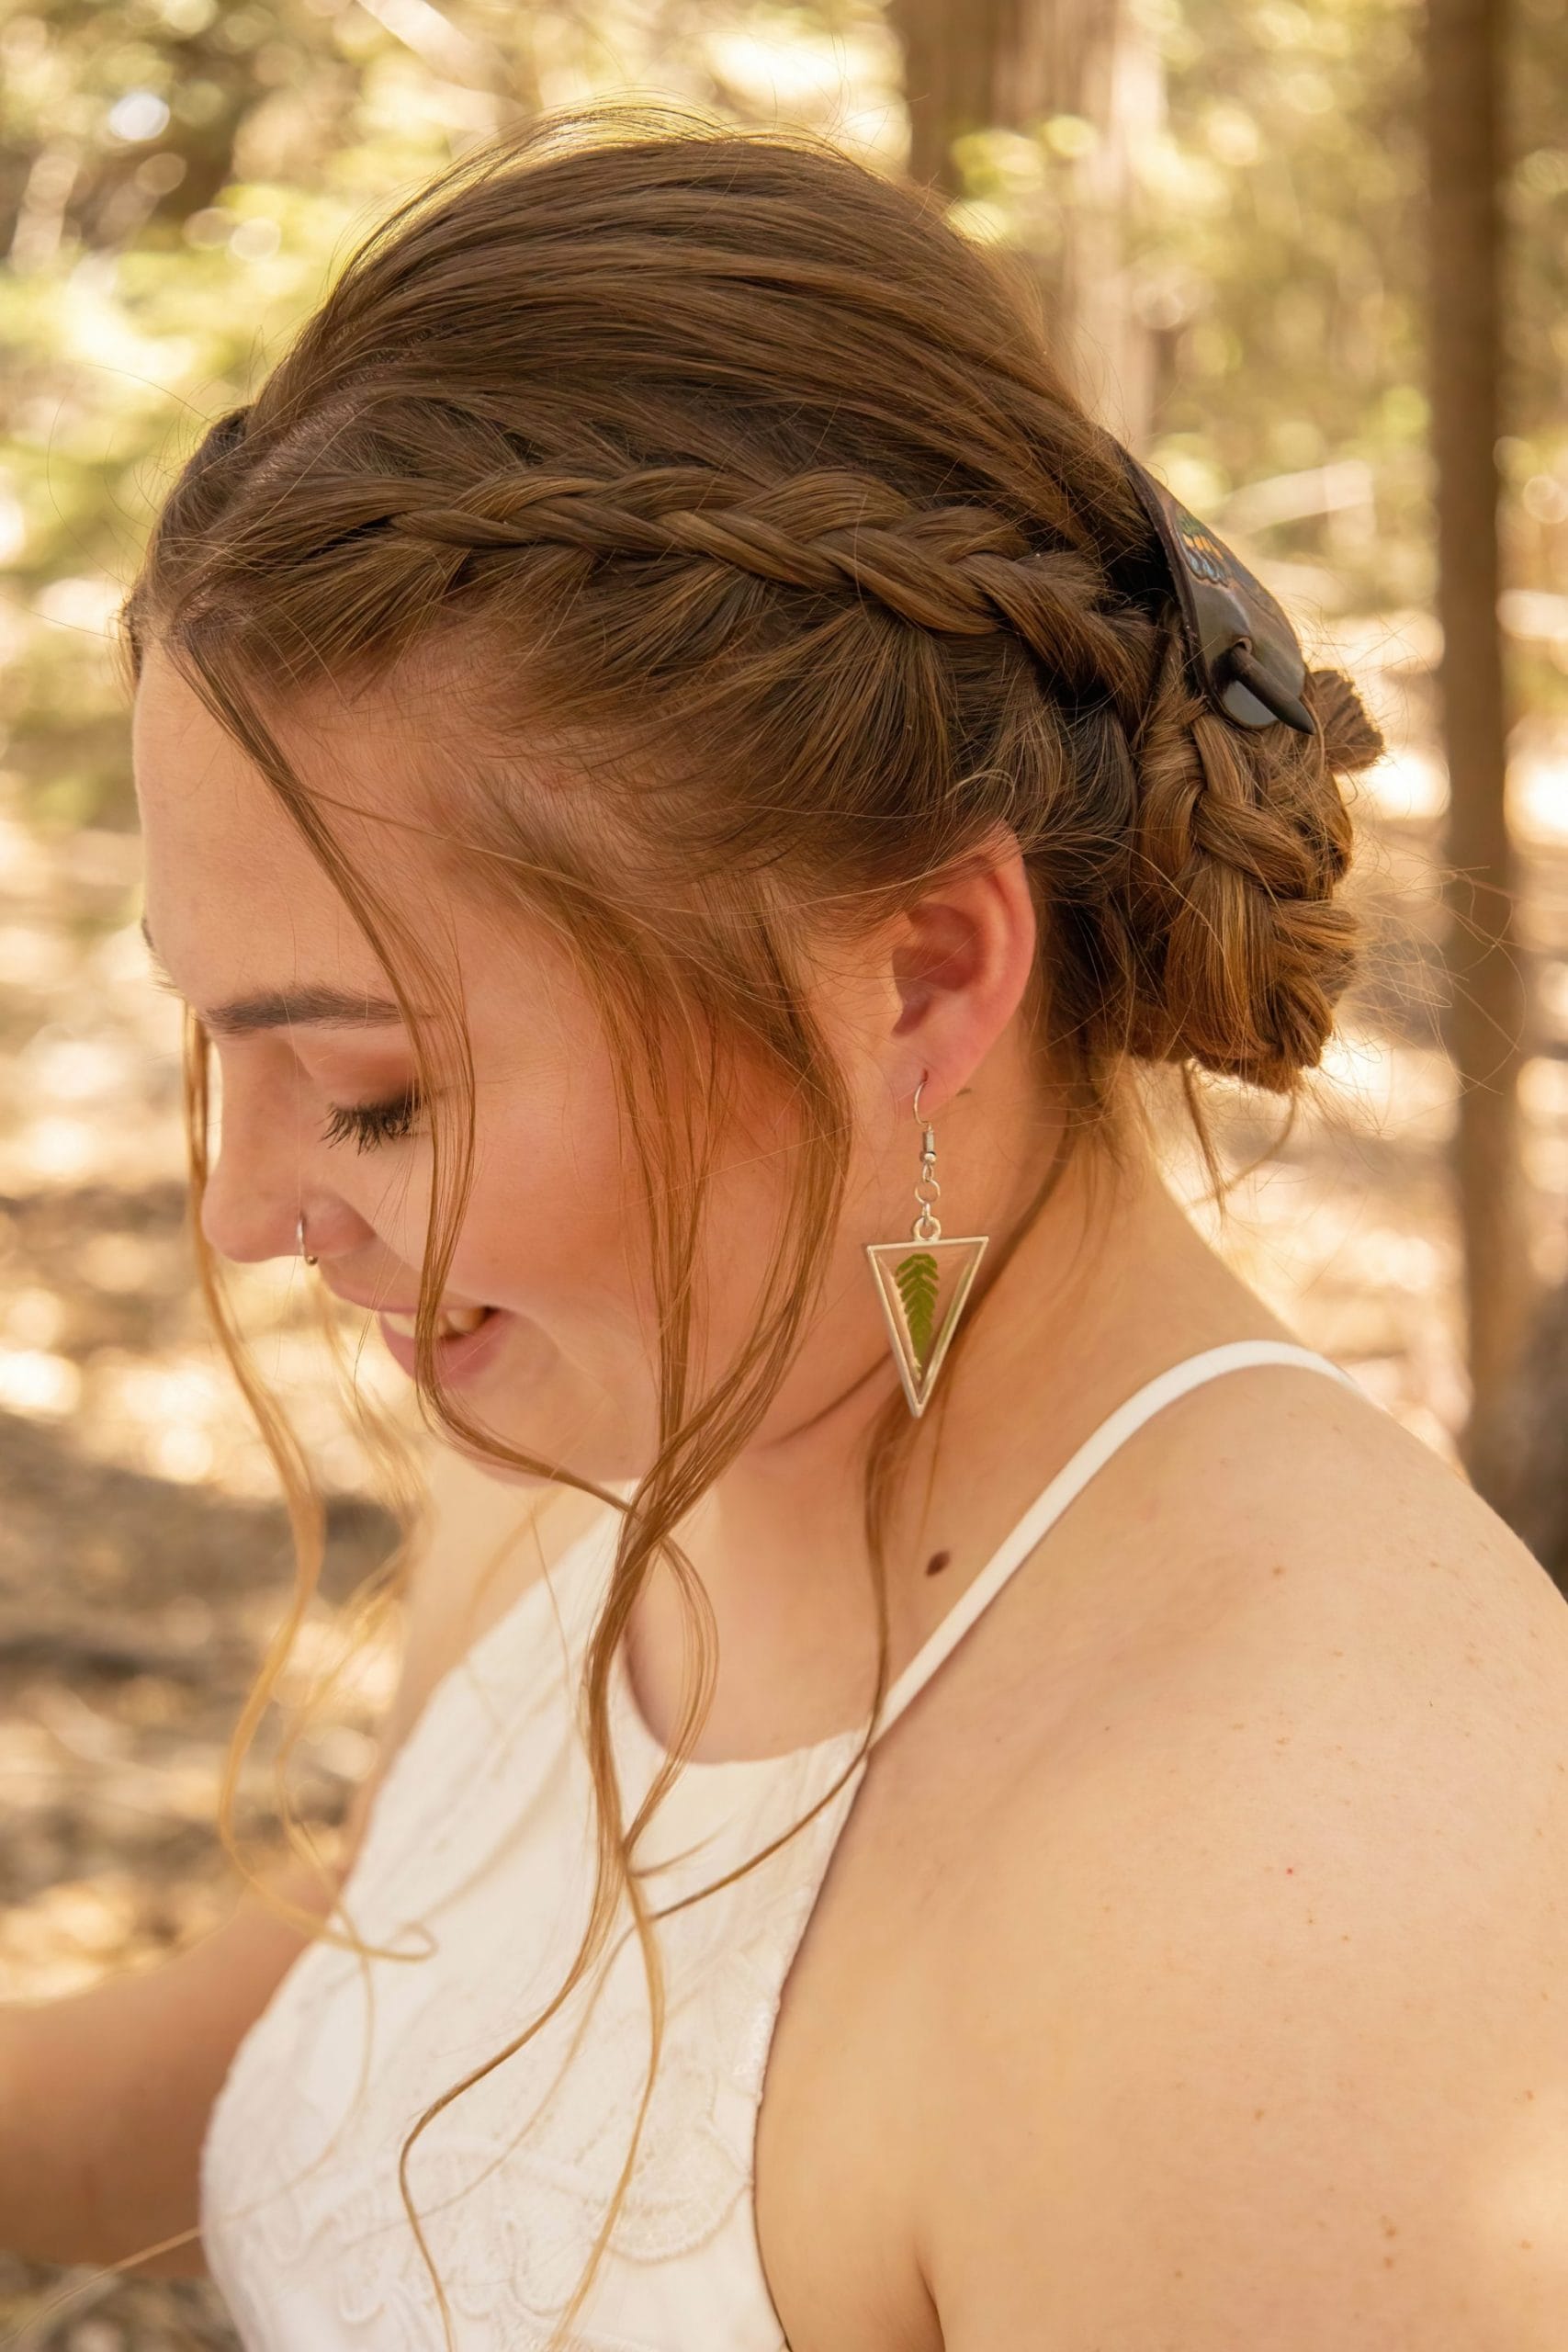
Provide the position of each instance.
(452, 1323)
(467, 1338)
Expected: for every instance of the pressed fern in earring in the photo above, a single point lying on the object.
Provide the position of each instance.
(922, 1287)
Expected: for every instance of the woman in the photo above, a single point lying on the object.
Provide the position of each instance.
(665, 729)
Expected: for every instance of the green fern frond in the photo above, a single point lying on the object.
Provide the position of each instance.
(916, 1281)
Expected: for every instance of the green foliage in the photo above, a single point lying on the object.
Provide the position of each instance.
(916, 1279)
(1275, 238)
(179, 180)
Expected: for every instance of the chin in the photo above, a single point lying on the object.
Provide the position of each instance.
(527, 1415)
(503, 1473)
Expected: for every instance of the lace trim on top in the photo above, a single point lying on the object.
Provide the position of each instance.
(476, 1863)
(477, 1866)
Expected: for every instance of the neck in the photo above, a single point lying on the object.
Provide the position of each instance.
(1110, 1283)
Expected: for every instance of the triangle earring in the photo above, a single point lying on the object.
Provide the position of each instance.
(924, 1281)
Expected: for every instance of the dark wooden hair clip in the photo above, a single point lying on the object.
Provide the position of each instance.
(1240, 645)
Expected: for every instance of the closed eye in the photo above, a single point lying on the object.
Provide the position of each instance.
(368, 1124)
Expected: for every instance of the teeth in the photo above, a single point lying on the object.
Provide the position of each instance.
(450, 1324)
(458, 1319)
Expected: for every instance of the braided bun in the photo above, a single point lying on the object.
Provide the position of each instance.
(1241, 841)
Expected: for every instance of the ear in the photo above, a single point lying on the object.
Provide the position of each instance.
(959, 962)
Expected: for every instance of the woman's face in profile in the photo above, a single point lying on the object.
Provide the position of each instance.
(315, 1060)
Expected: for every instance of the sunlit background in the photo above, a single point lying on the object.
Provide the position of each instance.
(1224, 207)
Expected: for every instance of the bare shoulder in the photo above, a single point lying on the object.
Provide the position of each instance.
(1257, 2024)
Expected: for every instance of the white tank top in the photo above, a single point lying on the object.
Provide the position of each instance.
(477, 1861)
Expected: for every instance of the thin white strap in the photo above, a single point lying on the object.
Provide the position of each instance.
(1069, 1481)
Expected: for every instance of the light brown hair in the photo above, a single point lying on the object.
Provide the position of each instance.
(723, 472)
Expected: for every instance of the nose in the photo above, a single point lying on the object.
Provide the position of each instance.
(260, 1183)
(248, 1226)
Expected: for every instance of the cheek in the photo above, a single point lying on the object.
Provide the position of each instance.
(552, 1230)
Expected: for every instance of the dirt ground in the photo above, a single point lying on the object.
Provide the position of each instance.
(144, 1556)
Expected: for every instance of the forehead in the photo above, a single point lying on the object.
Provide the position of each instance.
(228, 872)
(240, 912)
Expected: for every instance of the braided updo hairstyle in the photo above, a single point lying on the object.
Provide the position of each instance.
(725, 504)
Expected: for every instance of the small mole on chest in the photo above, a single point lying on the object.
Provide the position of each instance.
(937, 1561)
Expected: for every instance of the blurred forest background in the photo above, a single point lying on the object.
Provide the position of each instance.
(1231, 212)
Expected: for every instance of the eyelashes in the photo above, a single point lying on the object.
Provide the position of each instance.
(370, 1125)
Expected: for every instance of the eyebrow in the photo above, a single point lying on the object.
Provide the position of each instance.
(315, 1005)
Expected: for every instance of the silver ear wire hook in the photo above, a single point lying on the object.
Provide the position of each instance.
(926, 1228)
(922, 1283)
(300, 1236)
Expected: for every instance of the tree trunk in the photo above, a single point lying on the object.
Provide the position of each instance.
(1486, 1019)
(972, 65)
(1527, 1450)
(968, 65)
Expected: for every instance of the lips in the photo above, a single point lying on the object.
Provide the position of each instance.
(461, 1356)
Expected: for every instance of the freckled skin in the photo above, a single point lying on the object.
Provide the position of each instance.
(555, 1228)
(237, 903)
(554, 1231)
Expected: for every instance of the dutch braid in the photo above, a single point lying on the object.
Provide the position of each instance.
(957, 571)
(1237, 857)
(1233, 843)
